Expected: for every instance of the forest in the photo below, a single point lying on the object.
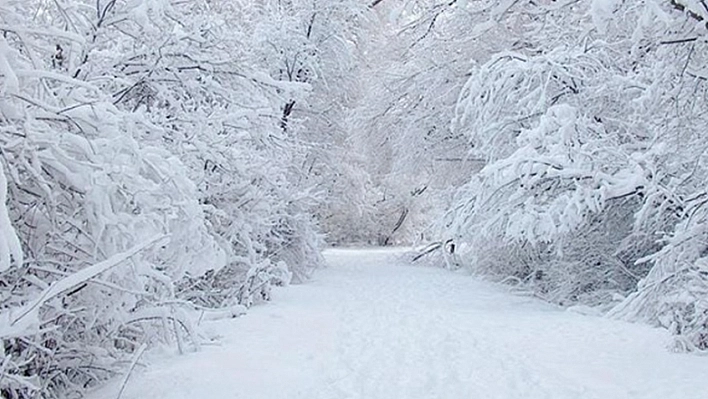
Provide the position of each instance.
(164, 162)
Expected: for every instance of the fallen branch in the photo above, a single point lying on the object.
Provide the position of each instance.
(427, 250)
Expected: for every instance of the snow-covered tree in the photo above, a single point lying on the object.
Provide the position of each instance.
(148, 174)
(590, 127)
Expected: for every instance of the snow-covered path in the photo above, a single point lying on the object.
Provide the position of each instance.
(371, 327)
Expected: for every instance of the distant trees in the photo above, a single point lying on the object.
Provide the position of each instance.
(400, 124)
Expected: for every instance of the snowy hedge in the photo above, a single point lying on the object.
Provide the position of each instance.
(592, 126)
(575, 147)
(150, 177)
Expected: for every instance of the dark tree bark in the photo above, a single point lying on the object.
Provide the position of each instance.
(287, 110)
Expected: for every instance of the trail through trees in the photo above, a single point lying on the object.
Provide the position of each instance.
(372, 326)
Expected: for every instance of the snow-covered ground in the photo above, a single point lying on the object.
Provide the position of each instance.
(371, 326)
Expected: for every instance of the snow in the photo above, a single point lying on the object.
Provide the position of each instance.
(601, 11)
(10, 248)
(10, 83)
(372, 326)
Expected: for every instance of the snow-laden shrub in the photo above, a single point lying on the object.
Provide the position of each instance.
(674, 294)
(592, 130)
(80, 198)
(147, 176)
